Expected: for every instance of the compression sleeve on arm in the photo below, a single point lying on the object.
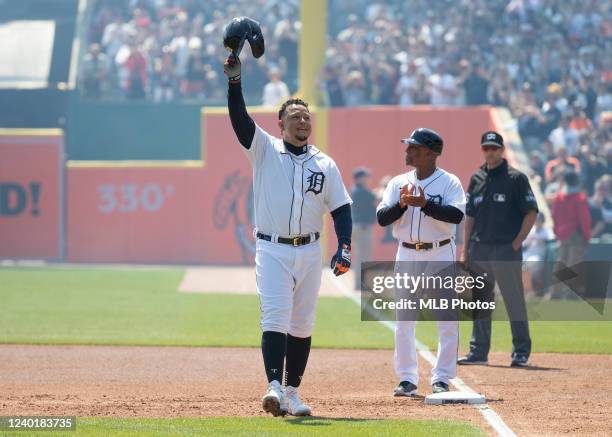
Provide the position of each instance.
(243, 124)
(343, 223)
(444, 213)
(389, 214)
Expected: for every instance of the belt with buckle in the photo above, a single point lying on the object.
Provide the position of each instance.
(425, 246)
(293, 241)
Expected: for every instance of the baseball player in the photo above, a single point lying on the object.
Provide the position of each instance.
(294, 184)
(424, 206)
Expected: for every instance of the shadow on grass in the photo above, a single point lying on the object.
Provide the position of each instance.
(322, 421)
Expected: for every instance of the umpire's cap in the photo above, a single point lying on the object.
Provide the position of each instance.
(492, 138)
(426, 138)
(241, 29)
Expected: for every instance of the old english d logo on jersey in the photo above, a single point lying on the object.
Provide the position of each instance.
(315, 182)
(436, 199)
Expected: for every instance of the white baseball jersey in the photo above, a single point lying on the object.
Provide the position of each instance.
(414, 226)
(292, 193)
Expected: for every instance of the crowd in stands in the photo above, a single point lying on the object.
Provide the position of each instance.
(168, 50)
(548, 61)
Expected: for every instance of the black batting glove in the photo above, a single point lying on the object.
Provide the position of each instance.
(341, 261)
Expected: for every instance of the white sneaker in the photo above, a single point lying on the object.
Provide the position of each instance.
(295, 406)
(272, 400)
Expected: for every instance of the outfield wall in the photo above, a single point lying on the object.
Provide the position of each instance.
(31, 193)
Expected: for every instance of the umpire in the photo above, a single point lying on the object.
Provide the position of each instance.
(501, 210)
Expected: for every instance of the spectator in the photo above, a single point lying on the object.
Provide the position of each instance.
(113, 37)
(537, 166)
(600, 206)
(444, 90)
(164, 77)
(193, 84)
(364, 216)
(535, 252)
(532, 127)
(422, 92)
(580, 122)
(406, 85)
(555, 184)
(355, 89)
(331, 88)
(572, 221)
(382, 81)
(562, 162)
(94, 72)
(136, 67)
(476, 85)
(565, 136)
(592, 168)
(276, 91)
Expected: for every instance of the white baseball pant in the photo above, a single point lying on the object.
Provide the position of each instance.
(288, 282)
(405, 357)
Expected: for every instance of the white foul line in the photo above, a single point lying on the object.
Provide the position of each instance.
(488, 413)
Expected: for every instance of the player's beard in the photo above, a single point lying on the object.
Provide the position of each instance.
(301, 137)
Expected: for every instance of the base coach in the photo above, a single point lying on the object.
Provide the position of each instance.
(500, 211)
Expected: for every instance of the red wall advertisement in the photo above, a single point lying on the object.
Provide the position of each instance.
(31, 194)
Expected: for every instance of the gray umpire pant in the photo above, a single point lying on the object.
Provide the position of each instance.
(502, 264)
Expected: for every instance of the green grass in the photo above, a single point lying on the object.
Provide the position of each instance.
(247, 427)
(560, 337)
(142, 307)
(105, 306)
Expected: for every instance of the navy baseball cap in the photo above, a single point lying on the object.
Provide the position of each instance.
(492, 138)
(360, 172)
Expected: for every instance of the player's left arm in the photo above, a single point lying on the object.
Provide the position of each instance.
(343, 225)
(453, 206)
(529, 208)
(339, 202)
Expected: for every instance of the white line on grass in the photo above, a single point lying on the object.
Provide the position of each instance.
(488, 413)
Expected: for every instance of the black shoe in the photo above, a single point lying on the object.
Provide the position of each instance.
(471, 360)
(439, 387)
(405, 388)
(519, 361)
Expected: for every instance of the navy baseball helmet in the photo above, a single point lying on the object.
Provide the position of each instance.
(426, 138)
(242, 29)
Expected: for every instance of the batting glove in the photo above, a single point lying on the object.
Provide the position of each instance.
(341, 261)
(231, 68)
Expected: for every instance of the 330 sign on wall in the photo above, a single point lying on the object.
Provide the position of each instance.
(126, 198)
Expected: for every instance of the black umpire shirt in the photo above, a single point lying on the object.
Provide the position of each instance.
(498, 200)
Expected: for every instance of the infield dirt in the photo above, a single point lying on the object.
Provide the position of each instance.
(559, 394)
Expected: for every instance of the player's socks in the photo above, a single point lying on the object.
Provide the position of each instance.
(298, 350)
(273, 348)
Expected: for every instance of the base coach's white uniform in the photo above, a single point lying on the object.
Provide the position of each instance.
(291, 195)
(415, 227)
